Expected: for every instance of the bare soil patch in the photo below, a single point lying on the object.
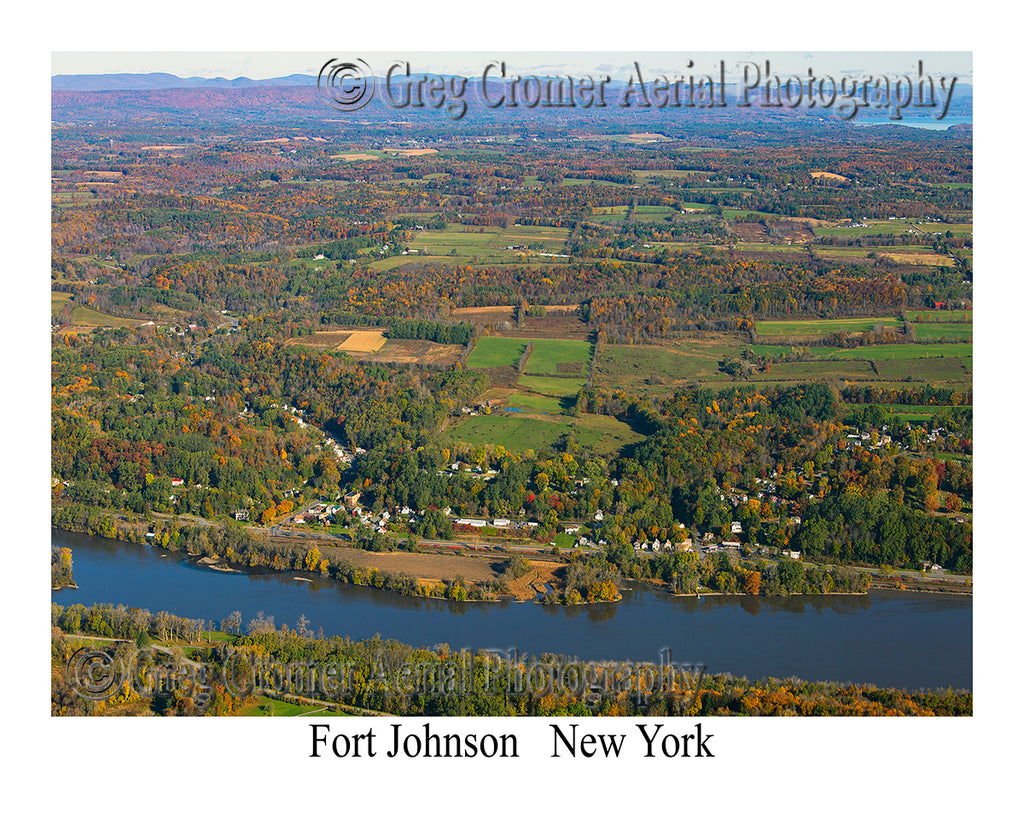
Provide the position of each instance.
(750, 231)
(565, 325)
(502, 376)
(414, 351)
(485, 315)
(794, 231)
(321, 340)
(438, 567)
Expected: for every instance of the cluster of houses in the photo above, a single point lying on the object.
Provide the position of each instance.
(459, 466)
(682, 545)
(883, 440)
(481, 407)
(321, 513)
(330, 443)
(497, 523)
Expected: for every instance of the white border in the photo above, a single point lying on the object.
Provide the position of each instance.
(839, 767)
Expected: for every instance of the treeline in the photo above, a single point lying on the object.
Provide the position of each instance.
(925, 395)
(440, 332)
(447, 683)
(459, 333)
(878, 530)
(61, 568)
(240, 546)
(725, 572)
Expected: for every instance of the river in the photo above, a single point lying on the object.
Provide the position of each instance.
(888, 638)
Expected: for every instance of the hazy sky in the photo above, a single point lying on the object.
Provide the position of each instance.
(261, 65)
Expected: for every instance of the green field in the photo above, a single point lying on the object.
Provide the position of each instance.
(607, 182)
(267, 707)
(651, 214)
(821, 327)
(549, 353)
(94, 318)
(536, 404)
(518, 432)
(391, 262)
(945, 371)
(554, 387)
(896, 410)
(646, 176)
(873, 352)
(486, 244)
(905, 352)
(735, 213)
(957, 229)
(57, 302)
(763, 247)
(850, 370)
(873, 228)
(842, 252)
(660, 368)
(942, 316)
(929, 331)
(492, 351)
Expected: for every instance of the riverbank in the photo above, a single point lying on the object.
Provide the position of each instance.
(885, 637)
(951, 588)
(437, 568)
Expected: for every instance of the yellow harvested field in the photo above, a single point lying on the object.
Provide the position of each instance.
(354, 157)
(411, 151)
(494, 308)
(363, 341)
(827, 175)
(931, 259)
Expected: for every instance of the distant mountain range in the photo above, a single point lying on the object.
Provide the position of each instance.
(168, 99)
(151, 82)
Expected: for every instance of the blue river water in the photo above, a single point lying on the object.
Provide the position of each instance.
(887, 638)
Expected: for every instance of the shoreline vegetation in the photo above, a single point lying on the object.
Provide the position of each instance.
(61, 569)
(447, 682)
(393, 566)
